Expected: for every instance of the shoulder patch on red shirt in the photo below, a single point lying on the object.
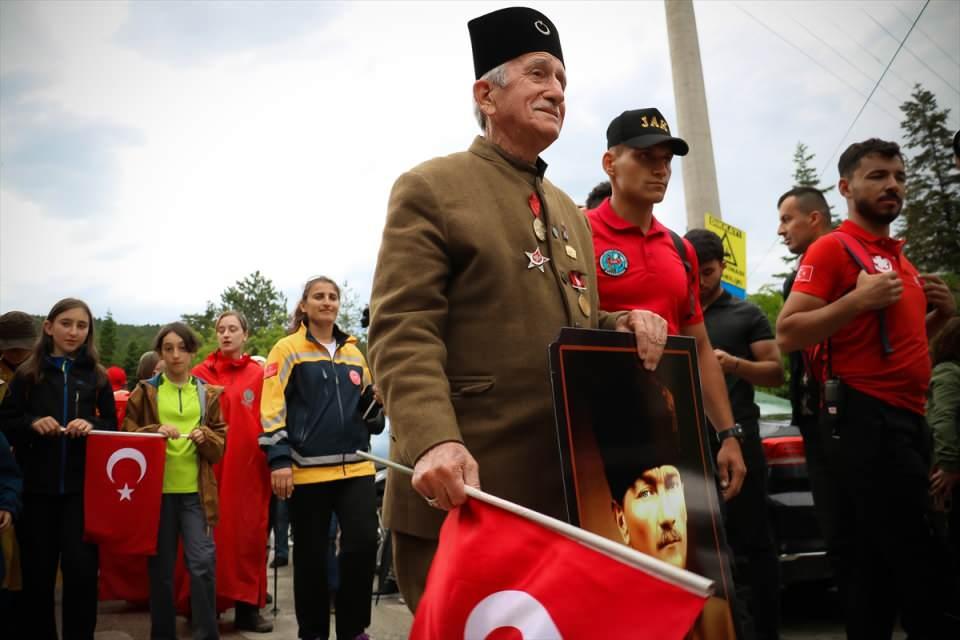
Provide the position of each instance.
(805, 273)
(270, 370)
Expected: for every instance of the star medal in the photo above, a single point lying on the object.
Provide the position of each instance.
(537, 260)
(539, 229)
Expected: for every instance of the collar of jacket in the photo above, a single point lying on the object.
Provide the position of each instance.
(218, 362)
(156, 380)
(489, 151)
(339, 335)
(80, 360)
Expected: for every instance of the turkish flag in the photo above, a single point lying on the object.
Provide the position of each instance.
(122, 488)
(497, 571)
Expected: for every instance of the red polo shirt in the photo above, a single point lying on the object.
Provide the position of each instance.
(637, 270)
(900, 379)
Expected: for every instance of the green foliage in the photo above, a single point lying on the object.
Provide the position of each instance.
(930, 222)
(131, 358)
(107, 340)
(261, 302)
(351, 309)
(770, 301)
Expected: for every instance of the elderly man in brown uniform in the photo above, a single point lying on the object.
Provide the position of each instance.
(482, 262)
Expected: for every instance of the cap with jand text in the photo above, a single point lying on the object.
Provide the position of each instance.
(506, 34)
(642, 128)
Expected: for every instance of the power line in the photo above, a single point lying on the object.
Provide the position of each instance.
(918, 58)
(857, 117)
(879, 80)
(814, 60)
(843, 57)
(929, 37)
(893, 73)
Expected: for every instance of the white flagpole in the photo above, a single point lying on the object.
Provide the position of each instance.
(101, 432)
(696, 584)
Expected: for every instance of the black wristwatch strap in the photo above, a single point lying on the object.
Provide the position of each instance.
(734, 432)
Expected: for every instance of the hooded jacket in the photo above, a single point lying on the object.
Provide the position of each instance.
(54, 465)
(143, 416)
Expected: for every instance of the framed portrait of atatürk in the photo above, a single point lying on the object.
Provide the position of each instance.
(636, 459)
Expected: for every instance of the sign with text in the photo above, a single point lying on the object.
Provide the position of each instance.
(734, 254)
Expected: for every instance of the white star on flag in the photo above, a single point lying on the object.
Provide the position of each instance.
(125, 493)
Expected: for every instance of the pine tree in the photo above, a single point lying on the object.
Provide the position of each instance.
(804, 174)
(131, 360)
(930, 222)
(107, 339)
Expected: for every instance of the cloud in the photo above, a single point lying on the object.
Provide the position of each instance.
(164, 150)
(187, 33)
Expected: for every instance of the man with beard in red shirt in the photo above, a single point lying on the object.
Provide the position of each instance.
(859, 309)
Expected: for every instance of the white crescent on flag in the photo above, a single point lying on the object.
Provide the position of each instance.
(517, 609)
(122, 454)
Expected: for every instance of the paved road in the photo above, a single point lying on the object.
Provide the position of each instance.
(810, 613)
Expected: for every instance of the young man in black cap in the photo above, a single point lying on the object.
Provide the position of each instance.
(747, 353)
(643, 265)
(482, 262)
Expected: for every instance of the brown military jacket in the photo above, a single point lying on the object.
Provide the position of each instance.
(461, 320)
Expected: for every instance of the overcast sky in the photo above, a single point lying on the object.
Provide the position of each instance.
(152, 153)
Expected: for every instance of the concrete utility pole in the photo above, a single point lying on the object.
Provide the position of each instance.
(693, 122)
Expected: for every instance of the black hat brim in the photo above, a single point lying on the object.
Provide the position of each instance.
(677, 145)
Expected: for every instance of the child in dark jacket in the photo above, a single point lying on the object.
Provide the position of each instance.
(55, 399)
(187, 412)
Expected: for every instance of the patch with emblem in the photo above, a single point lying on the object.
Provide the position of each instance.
(248, 397)
(537, 260)
(613, 262)
(805, 273)
(270, 370)
(881, 264)
(355, 377)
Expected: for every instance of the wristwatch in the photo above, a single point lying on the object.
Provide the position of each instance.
(736, 431)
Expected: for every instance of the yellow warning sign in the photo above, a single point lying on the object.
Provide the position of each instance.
(734, 254)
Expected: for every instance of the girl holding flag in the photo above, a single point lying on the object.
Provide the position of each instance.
(187, 411)
(243, 476)
(56, 398)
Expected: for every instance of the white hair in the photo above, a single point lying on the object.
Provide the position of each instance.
(496, 77)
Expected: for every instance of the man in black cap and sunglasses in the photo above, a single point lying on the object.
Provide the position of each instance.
(482, 262)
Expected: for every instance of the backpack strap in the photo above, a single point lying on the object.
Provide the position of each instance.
(858, 253)
(687, 266)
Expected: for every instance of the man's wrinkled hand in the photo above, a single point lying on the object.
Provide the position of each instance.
(651, 333)
(441, 473)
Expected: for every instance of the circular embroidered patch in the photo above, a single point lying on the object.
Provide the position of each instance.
(613, 262)
(355, 377)
(248, 397)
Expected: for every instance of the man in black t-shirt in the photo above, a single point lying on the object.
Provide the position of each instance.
(748, 355)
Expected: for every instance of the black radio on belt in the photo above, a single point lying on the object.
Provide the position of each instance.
(833, 404)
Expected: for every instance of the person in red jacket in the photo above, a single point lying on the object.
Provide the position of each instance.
(243, 476)
(118, 381)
